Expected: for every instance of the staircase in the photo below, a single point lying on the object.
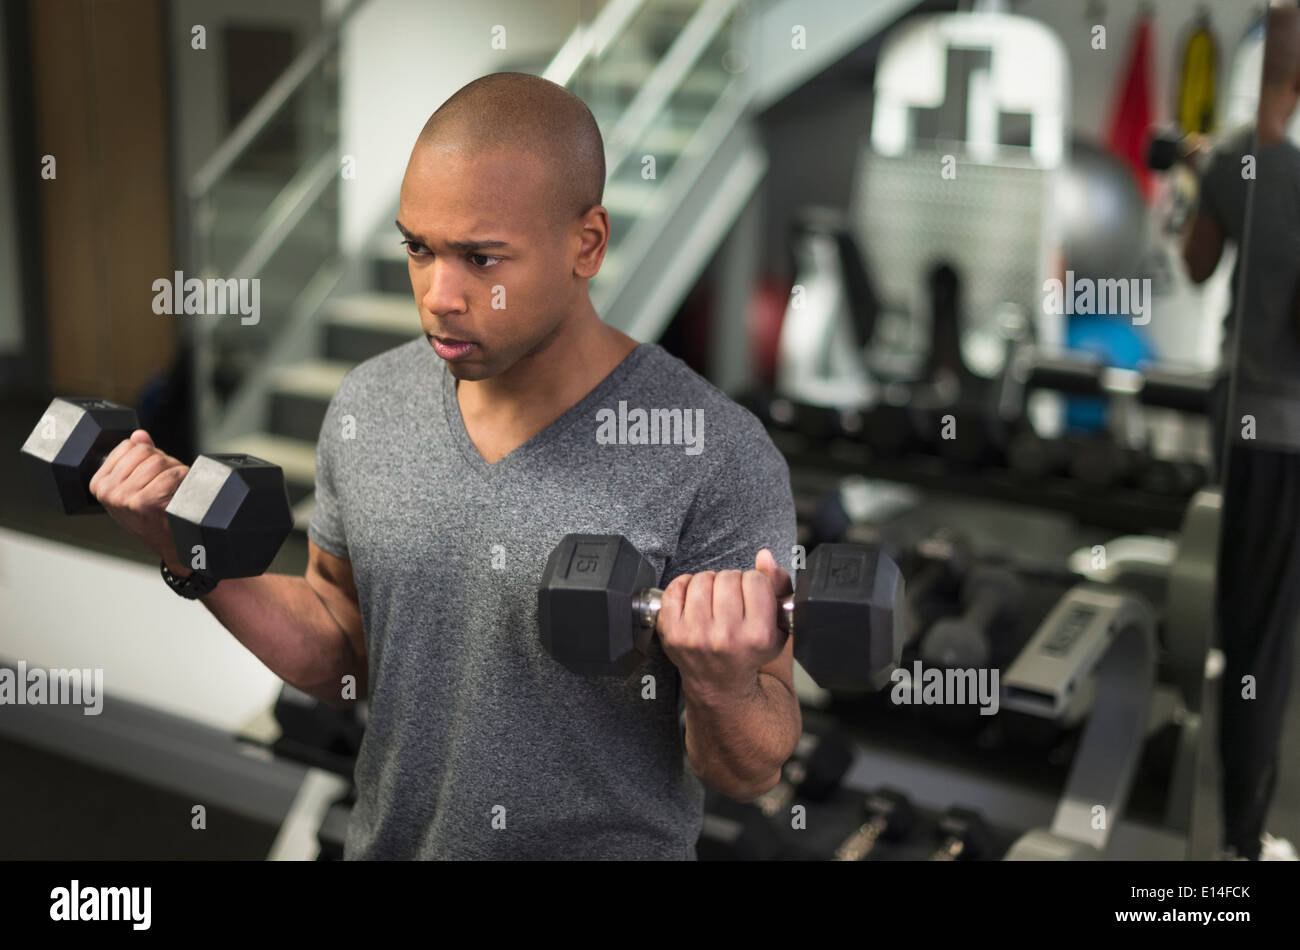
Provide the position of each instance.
(661, 79)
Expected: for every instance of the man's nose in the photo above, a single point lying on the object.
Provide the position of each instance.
(443, 293)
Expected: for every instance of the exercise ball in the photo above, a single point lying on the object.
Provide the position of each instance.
(1103, 216)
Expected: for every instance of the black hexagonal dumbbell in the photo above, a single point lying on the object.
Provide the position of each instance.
(965, 836)
(992, 598)
(235, 509)
(228, 517)
(889, 817)
(948, 557)
(69, 444)
(811, 778)
(598, 610)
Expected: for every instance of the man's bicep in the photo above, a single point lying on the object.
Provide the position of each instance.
(1202, 247)
(331, 579)
(745, 507)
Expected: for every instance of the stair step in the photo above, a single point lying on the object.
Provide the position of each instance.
(360, 326)
(300, 397)
(318, 378)
(391, 311)
(668, 139)
(631, 198)
(389, 273)
(296, 456)
(632, 74)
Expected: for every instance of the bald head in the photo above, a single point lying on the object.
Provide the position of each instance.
(516, 112)
(501, 213)
(1282, 47)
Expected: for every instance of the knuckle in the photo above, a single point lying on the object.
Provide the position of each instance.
(673, 593)
(758, 636)
(702, 584)
(672, 634)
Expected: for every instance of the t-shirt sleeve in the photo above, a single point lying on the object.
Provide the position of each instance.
(744, 505)
(1221, 191)
(327, 526)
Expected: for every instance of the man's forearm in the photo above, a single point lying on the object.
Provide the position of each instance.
(738, 743)
(282, 622)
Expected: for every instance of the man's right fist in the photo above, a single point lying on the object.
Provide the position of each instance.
(134, 485)
(225, 515)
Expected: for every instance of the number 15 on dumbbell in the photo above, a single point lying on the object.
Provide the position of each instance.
(598, 610)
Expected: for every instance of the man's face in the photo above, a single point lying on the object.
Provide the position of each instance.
(492, 275)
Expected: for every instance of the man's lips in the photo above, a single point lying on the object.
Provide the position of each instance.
(450, 348)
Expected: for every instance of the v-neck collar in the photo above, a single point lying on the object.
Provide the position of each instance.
(583, 408)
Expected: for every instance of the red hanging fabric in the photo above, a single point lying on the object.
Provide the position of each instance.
(1132, 116)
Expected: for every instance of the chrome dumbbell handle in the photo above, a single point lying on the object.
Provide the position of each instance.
(647, 602)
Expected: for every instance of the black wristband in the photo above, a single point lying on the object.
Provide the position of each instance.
(192, 587)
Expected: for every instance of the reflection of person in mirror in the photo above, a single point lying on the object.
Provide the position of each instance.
(1256, 426)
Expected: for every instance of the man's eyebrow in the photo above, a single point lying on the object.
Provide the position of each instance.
(455, 245)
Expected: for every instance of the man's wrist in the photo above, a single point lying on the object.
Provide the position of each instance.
(716, 695)
(177, 568)
(194, 585)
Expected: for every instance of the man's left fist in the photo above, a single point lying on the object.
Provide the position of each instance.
(719, 627)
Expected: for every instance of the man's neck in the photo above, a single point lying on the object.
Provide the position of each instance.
(552, 378)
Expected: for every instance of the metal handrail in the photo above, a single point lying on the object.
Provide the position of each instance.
(269, 105)
(667, 76)
(289, 208)
(588, 41)
(583, 43)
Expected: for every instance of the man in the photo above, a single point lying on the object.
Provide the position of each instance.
(448, 468)
(1257, 434)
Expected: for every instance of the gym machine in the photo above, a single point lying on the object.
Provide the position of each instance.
(1101, 743)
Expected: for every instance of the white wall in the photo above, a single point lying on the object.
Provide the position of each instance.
(401, 59)
(1096, 74)
(66, 608)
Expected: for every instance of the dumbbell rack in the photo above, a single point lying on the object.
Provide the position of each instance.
(733, 832)
(1013, 771)
(1119, 508)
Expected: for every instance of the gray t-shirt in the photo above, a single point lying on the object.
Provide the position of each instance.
(480, 744)
(1267, 347)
